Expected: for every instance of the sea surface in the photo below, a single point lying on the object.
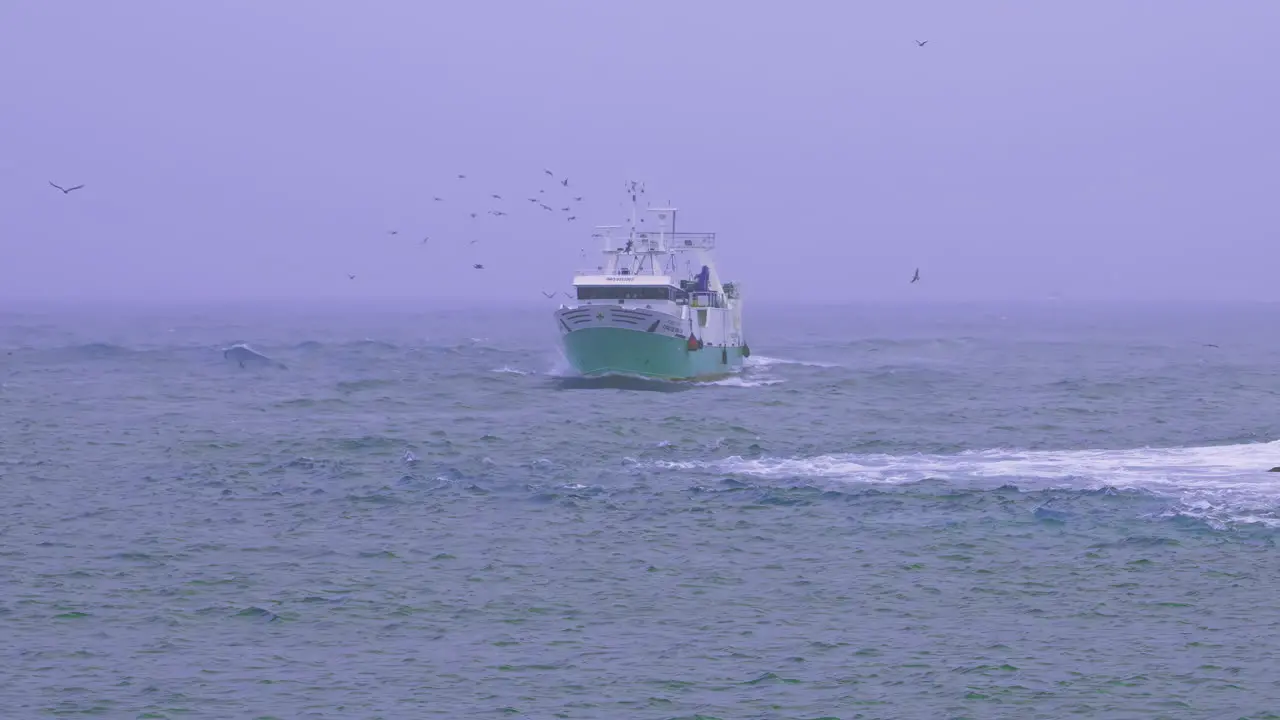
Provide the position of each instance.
(894, 512)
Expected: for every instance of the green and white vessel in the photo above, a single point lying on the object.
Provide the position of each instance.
(655, 307)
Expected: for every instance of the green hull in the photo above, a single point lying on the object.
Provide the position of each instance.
(616, 351)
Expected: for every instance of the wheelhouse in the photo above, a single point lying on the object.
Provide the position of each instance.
(653, 266)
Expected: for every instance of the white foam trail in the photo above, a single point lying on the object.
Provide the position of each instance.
(509, 371)
(762, 361)
(746, 382)
(1216, 483)
(1223, 465)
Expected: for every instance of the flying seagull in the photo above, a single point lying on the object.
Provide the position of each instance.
(921, 44)
(547, 294)
(916, 277)
(496, 196)
(425, 239)
(571, 218)
(473, 216)
(65, 190)
(565, 182)
(350, 276)
(578, 199)
(478, 266)
(439, 199)
(393, 232)
(462, 177)
(473, 242)
(496, 213)
(567, 295)
(548, 172)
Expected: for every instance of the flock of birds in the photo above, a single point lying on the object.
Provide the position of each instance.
(542, 200)
(539, 200)
(563, 182)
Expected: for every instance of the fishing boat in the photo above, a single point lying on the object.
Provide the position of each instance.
(655, 306)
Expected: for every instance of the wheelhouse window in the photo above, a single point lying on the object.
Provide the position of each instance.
(623, 292)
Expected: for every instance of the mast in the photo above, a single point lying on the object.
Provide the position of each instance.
(636, 189)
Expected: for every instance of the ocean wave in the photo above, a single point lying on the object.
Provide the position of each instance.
(351, 386)
(91, 351)
(455, 346)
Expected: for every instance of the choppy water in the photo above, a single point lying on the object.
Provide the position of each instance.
(970, 513)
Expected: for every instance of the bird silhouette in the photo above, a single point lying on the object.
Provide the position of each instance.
(462, 177)
(567, 295)
(473, 242)
(921, 44)
(547, 294)
(577, 199)
(473, 216)
(916, 277)
(425, 239)
(350, 276)
(65, 190)
(496, 196)
(565, 209)
(571, 218)
(496, 213)
(393, 232)
(478, 266)
(438, 199)
(548, 172)
(565, 182)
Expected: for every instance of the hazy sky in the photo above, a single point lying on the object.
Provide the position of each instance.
(248, 149)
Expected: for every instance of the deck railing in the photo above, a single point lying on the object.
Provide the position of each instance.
(677, 240)
(655, 240)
